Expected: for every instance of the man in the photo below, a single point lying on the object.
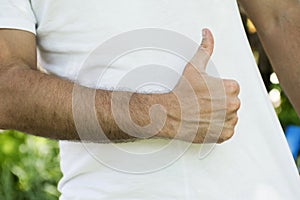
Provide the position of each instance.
(67, 31)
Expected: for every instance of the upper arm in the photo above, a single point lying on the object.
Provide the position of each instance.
(17, 47)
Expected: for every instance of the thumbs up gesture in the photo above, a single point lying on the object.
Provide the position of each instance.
(201, 108)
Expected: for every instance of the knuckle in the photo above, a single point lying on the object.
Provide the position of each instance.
(204, 44)
(232, 122)
(206, 49)
(233, 86)
(226, 135)
(235, 120)
(237, 104)
(234, 104)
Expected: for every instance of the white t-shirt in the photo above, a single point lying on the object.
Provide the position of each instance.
(254, 165)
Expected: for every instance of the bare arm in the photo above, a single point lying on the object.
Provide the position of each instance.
(278, 26)
(41, 104)
(34, 102)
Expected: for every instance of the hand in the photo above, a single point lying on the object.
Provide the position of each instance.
(201, 108)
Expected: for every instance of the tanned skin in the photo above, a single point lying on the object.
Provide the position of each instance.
(41, 104)
(278, 26)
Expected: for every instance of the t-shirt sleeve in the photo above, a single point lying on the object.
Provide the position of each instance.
(17, 14)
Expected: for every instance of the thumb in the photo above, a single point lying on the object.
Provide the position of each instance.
(204, 52)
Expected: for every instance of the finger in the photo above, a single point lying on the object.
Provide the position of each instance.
(207, 43)
(231, 121)
(231, 87)
(233, 105)
(226, 135)
(205, 50)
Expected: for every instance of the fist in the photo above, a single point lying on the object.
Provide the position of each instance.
(201, 108)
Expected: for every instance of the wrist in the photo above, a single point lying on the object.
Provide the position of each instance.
(171, 107)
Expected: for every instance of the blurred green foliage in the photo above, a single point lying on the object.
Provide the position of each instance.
(29, 167)
(286, 113)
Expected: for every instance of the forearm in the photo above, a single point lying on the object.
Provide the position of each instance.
(41, 104)
(49, 106)
(279, 30)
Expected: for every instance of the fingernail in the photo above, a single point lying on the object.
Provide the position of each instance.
(204, 32)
